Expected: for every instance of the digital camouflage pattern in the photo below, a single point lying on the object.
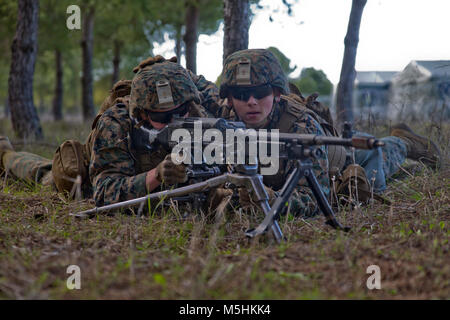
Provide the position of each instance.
(27, 166)
(118, 167)
(144, 93)
(152, 60)
(120, 89)
(264, 69)
(112, 169)
(302, 201)
(209, 95)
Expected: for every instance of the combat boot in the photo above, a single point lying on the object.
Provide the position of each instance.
(418, 148)
(5, 146)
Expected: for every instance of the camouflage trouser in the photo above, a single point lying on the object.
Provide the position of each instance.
(27, 166)
(381, 163)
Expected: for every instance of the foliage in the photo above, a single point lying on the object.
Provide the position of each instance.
(135, 25)
(284, 61)
(312, 80)
(171, 17)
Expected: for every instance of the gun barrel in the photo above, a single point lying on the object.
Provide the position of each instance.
(312, 139)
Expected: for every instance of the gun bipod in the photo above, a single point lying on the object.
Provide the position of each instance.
(302, 169)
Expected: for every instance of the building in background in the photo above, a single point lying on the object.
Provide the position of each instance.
(421, 92)
(371, 94)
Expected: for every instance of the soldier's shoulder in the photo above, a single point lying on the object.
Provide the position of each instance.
(299, 109)
(293, 106)
(117, 113)
(294, 111)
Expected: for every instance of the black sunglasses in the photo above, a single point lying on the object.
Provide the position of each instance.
(244, 93)
(166, 117)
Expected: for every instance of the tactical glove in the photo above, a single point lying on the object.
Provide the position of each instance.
(170, 173)
(246, 201)
(217, 196)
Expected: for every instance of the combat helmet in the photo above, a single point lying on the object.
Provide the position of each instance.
(161, 87)
(252, 67)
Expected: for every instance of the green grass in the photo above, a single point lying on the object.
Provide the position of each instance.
(208, 257)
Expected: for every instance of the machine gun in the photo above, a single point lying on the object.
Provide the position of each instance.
(300, 148)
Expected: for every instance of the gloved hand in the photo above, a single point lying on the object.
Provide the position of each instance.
(216, 196)
(170, 173)
(246, 201)
(152, 60)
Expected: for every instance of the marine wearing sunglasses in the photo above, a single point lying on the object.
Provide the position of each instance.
(253, 104)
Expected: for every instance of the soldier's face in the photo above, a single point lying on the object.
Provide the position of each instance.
(253, 112)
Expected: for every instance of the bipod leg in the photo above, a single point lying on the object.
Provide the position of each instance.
(272, 215)
(261, 195)
(322, 201)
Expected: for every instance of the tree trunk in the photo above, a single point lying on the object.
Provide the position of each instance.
(190, 36)
(344, 96)
(24, 117)
(87, 43)
(116, 62)
(178, 42)
(236, 15)
(58, 98)
(6, 108)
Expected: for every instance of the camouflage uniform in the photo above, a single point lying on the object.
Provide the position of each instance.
(27, 166)
(118, 166)
(113, 170)
(287, 115)
(379, 164)
(302, 202)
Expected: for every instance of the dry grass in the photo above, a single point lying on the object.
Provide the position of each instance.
(207, 257)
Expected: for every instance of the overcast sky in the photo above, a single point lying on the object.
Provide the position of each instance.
(393, 32)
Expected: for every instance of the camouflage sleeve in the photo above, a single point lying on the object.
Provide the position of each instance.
(208, 92)
(112, 167)
(303, 201)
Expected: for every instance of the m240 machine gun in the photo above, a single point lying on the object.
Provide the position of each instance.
(204, 175)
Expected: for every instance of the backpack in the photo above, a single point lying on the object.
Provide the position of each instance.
(70, 167)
